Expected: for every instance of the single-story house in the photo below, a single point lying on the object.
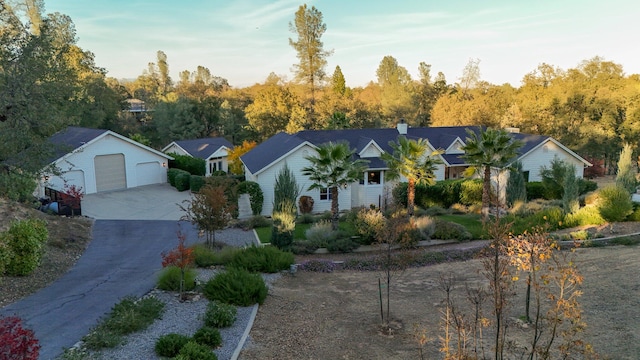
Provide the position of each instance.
(263, 163)
(102, 160)
(212, 150)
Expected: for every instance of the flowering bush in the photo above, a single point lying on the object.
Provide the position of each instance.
(16, 342)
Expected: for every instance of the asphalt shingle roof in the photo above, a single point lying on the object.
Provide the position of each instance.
(203, 148)
(439, 137)
(70, 139)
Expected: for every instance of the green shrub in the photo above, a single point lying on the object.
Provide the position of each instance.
(580, 235)
(587, 215)
(169, 279)
(535, 190)
(634, 216)
(25, 239)
(266, 259)
(320, 232)
(551, 218)
(284, 223)
(342, 245)
(203, 257)
(304, 247)
(194, 351)
(256, 197)
(586, 186)
(219, 315)
(368, 224)
(171, 176)
(237, 287)
(5, 252)
(208, 336)
(446, 193)
(16, 186)
(446, 230)
(471, 192)
(614, 203)
(426, 226)
(126, 317)
(169, 345)
(219, 173)
(182, 181)
(196, 182)
(256, 221)
(306, 218)
(432, 211)
(194, 166)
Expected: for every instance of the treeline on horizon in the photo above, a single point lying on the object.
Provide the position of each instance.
(47, 83)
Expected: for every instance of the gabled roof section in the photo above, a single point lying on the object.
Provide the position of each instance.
(74, 138)
(269, 151)
(370, 143)
(71, 139)
(202, 148)
(530, 147)
(439, 138)
(453, 148)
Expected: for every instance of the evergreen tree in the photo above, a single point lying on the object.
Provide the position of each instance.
(309, 28)
(570, 202)
(285, 194)
(626, 176)
(516, 185)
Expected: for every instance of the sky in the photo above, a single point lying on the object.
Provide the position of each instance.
(244, 41)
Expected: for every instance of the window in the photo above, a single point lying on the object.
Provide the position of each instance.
(325, 194)
(373, 177)
(525, 174)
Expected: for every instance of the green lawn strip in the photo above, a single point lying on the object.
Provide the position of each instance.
(264, 234)
(299, 233)
(472, 222)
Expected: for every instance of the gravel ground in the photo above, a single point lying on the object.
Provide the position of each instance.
(187, 317)
(183, 318)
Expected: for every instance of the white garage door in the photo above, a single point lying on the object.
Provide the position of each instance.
(110, 172)
(149, 173)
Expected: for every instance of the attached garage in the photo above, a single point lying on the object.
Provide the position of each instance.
(101, 160)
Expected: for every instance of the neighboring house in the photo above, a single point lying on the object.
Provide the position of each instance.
(102, 160)
(212, 150)
(263, 163)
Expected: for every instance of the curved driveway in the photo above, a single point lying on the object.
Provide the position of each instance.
(122, 259)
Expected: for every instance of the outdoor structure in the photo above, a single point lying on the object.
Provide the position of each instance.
(212, 150)
(102, 160)
(263, 163)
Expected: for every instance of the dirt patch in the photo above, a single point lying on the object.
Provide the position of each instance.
(68, 238)
(337, 315)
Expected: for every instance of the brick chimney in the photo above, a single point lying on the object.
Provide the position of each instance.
(402, 127)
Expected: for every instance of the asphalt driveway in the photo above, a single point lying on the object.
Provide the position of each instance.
(122, 259)
(151, 202)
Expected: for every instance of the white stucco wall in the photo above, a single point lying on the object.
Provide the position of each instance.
(142, 167)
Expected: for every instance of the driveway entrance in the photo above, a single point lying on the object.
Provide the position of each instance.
(150, 202)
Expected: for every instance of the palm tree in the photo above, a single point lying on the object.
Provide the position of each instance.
(410, 160)
(332, 168)
(486, 149)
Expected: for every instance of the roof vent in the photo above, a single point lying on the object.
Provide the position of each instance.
(402, 127)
